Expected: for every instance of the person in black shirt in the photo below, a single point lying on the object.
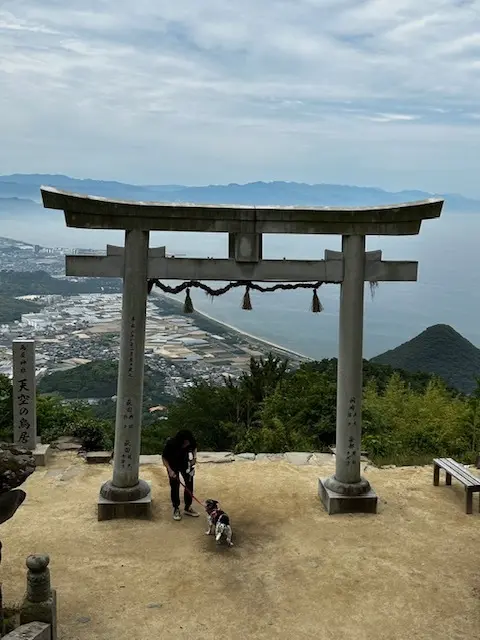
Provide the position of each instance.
(179, 457)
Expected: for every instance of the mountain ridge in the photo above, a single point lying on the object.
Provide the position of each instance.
(439, 350)
(23, 191)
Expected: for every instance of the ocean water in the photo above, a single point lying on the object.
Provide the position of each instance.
(447, 291)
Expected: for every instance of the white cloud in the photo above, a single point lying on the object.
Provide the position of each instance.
(214, 91)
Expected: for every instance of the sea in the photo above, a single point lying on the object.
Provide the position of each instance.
(447, 290)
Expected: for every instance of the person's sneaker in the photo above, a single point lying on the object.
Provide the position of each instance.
(176, 514)
(191, 512)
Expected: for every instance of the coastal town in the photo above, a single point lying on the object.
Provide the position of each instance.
(70, 330)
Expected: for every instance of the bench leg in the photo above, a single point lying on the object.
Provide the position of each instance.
(448, 479)
(436, 476)
(469, 501)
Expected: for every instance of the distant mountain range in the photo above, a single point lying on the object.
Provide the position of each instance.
(20, 193)
(440, 350)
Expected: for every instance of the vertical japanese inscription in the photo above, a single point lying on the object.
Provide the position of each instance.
(351, 457)
(24, 410)
(131, 347)
(128, 420)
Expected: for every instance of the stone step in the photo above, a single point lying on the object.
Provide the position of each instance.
(215, 457)
(151, 459)
(98, 457)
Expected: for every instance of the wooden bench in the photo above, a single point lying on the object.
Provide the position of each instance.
(460, 473)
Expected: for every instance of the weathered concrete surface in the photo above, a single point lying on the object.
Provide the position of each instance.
(151, 459)
(215, 456)
(264, 271)
(99, 213)
(40, 601)
(41, 453)
(24, 393)
(298, 458)
(67, 443)
(245, 457)
(321, 459)
(336, 503)
(271, 457)
(140, 509)
(98, 457)
(30, 631)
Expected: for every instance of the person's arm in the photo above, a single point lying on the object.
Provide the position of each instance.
(169, 469)
(195, 456)
(166, 463)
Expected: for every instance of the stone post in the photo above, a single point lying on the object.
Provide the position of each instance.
(24, 386)
(24, 394)
(126, 495)
(40, 602)
(347, 491)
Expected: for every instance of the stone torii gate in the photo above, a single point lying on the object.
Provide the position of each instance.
(126, 495)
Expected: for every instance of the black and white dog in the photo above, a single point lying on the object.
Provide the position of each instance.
(218, 523)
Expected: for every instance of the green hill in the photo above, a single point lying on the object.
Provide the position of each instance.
(12, 309)
(98, 379)
(23, 283)
(438, 350)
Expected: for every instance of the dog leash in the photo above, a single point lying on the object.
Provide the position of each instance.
(189, 492)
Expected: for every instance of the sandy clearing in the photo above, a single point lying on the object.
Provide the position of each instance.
(412, 571)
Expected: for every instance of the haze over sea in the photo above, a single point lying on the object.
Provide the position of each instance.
(447, 290)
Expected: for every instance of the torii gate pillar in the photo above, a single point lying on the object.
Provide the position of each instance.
(347, 491)
(126, 495)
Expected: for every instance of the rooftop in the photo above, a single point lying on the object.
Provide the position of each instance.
(409, 572)
(92, 212)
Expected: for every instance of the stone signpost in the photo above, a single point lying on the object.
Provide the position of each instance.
(24, 400)
(346, 491)
(24, 394)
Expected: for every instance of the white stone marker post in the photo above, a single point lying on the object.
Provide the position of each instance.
(24, 388)
(126, 495)
(346, 490)
(24, 394)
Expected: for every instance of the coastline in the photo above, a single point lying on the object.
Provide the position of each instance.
(245, 334)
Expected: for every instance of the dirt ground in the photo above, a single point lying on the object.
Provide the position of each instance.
(412, 571)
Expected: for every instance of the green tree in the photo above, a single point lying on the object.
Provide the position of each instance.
(299, 414)
(401, 424)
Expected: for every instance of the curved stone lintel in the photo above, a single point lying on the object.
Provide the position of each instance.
(83, 211)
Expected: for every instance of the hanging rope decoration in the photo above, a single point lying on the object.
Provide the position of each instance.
(316, 306)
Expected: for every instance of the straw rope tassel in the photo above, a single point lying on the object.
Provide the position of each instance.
(247, 303)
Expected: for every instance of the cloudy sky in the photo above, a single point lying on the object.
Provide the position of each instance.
(368, 92)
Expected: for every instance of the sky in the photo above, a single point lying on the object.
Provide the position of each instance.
(371, 92)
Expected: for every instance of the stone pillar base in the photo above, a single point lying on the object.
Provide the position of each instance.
(116, 509)
(41, 612)
(341, 503)
(41, 453)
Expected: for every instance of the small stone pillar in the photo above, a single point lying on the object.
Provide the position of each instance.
(24, 400)
(40, 602)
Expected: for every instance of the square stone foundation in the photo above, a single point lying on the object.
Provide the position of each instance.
(337, 503)
(139, 509)
(98, 457)
(41, 453)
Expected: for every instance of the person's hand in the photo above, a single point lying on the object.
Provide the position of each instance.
(172, 473)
